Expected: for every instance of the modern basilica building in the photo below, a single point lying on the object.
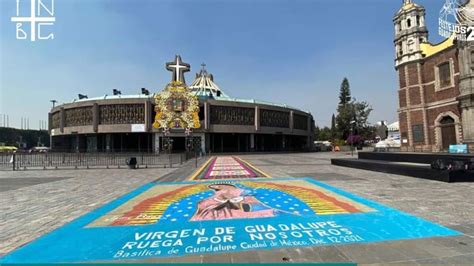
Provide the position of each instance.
(122, 123)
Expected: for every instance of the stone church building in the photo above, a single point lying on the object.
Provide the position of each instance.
(436, 85)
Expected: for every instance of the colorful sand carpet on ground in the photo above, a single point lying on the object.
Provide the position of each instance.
(226, 167)
(215, 216)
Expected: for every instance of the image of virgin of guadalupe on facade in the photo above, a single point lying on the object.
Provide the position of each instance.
(232, 202)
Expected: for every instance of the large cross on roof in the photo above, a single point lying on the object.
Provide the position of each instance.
(178, 68)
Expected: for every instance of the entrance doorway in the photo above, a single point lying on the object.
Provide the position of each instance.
(177, 144)
(448, 132)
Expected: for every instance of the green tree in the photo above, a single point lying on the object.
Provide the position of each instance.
(362, 111)
(324, 134)
(12, 137)
(353, 117)
(368, 132)
(345, 92)
(317, 131)
(333, 127)
(345, 114)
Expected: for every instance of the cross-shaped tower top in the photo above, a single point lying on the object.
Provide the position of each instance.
(178, 68)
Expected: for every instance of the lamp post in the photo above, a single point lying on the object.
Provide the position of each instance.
(190, 147)
(352, 137)
(167, 143)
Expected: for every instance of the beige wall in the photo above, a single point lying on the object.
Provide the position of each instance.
(126, 128)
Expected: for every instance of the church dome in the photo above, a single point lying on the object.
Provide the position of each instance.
(204, 86)
(409, 5)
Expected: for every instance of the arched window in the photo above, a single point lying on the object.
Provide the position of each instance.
(411, 45)
(399, 26)
(408, 23)
(446, 120)
(418, 20)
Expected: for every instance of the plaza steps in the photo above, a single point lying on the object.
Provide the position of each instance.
(409, 164)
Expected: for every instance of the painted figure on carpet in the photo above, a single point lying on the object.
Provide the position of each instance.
(231, 202)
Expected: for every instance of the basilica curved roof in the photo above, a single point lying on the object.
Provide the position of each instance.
(204, 86)
(217, 98)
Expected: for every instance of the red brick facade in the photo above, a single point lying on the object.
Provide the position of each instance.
(425, 105)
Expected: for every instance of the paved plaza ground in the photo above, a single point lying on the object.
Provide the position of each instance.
(35, 202)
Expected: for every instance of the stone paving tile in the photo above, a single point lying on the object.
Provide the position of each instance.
(465, 229)
(362, 253)
(273, 255)
(386, 254)
(429, 261)
(460, 244)
(245, 257)
(304, 255)
(437, 249)
(44, 207)
(221, 258)
(465, 259)
(16, 183)
(331, 254)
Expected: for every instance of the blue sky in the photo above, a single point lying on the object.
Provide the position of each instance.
(285, 51)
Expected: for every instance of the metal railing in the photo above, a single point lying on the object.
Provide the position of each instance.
(55, 160)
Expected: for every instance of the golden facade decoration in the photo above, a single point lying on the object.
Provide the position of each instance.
(176, 106)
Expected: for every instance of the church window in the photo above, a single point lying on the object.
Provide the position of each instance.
(472, 59)
(418, 20)
(444, 72)
(418, 135)
(408, 23)
(411, 45)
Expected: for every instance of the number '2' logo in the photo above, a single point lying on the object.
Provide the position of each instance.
(470, 33)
